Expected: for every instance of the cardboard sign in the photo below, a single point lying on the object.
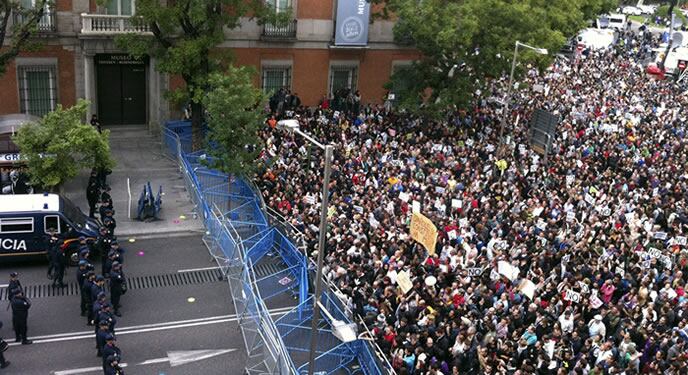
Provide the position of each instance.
(527, 288)
(415, 207)
(572, 296)
(506, 269)
(660, 235)
(584, 287)
(424, 231)
(475, 271)
(404, 281)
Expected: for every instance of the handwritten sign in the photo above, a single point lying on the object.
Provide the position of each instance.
(404, 197)
(506, 269)
(424, 231)
(527, 287)
(661, 235)
(456, 203)
(680, 240)
(584, 287)
(475, 271)
(415, 207)
(572, 296)
(404, 281)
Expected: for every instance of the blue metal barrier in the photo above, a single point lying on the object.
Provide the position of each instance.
(240, 236)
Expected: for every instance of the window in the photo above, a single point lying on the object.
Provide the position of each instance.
(46, 23)
(16, 225)
(51, 222)
(275, 78)
(37, 89)
(121, 7)
(280, 6)
(402, 81)
(343, 77)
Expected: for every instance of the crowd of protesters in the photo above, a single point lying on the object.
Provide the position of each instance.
(593, 240)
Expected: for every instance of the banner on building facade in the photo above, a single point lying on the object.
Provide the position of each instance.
(424, 231)
(353, 18)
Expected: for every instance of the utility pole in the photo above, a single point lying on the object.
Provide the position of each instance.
(671, 32)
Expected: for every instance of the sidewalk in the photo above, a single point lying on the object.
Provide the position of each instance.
(139, 158)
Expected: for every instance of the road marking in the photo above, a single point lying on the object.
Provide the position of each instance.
(83, 370)
(146, 328)
(4, 285)
(175, 358)
(198, 269)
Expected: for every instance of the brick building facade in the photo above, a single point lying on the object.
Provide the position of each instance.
(78, 59)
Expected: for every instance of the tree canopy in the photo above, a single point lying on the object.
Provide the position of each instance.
(235, 114)
(18, 23)
(466, 41)
(60, 145)
(185, 34)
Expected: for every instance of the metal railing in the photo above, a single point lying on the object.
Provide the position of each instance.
(46, 24)
(106, 24)
(272, 31)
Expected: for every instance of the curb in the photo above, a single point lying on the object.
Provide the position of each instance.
(158, 235)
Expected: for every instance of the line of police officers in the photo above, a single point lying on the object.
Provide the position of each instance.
(94, 304)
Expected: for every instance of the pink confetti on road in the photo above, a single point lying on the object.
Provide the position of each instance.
(176, 221)
(140, 253)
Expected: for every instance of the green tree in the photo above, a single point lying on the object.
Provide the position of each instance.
(466, 42)
(18, 23)
(235, 114)
(60, 145)
(185, 36)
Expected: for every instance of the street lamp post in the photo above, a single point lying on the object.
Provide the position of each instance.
(293, 126)
(507, 102)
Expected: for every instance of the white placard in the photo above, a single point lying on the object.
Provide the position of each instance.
(358, 209)
(475, 271)
(620, 271)
(404, 196)
(660, 235)
(584, 287)
(570, 216)
(527, 288)
(392, 276)
(415, 206)
(508, 270)
(537, 211)
(606, 211)
(310, 199)
(572, 296)
(452, 234)
(456, 203)
(439, 190)
(654, 253)
(680, 240)
(570, 179)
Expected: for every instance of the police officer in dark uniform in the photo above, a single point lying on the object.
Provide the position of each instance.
(3, 362)
(100, 337)
(58, 260)
(109, 222)
(118, 249)
(103, 242)
(52, 249)
(110, 349)
(14, 285)
(81, 274)
(20, 315)
(112, 366)
(107, 263)
(86, 296)
(105, 315)
(98, 305)
(92, 196)
(96, 288)
(117, 281)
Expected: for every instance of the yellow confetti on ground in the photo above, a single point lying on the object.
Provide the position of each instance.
(190, 300)
(182, 217)
(132, 240)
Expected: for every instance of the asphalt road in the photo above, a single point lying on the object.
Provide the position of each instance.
(173, 322)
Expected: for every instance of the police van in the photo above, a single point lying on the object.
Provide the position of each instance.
(25, 220)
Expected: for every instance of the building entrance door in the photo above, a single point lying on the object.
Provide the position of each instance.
(121, 85)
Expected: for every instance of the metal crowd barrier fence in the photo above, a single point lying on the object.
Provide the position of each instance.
(242, 232)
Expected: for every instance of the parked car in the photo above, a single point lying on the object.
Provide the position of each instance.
(631, 11)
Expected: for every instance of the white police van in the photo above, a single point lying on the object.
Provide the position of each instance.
(25, 220)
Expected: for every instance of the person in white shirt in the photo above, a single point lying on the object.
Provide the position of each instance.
(566, 321)
(596, 327)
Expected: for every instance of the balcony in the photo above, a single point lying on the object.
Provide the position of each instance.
(44, 26)
(105, 24)
(279, 32)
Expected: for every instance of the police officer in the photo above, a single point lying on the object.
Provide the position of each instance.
(14, 285)
(58, 260)
(108, 262)
(117, 282)
(105, 315)
(52, 249)
(102, 332)
(3, 362)
(86, 296)
(109, 222)
(96, 288)
(98, 305)
(110, 349)
(81, 275)
(20, 315)
(118, 249)
(92, 196)
(103, 242)
(112, 366)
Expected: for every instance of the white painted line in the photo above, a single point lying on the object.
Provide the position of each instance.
(4, 285)
(198, 269)
(156, 360)
(145, 328)
(83, 370)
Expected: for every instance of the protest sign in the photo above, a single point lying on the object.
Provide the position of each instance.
(570, 216)
(392, 276)
(661, 235)
(404, 281)
(404, 197)
(424, 231)
(680, 240)
(456, 203)
(572, 296)
(506, 269)
(452, 234)
(527, 287)
(310, 199)
(475, 271)
(584, 287)
(415, 207)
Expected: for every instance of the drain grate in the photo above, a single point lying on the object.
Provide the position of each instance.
(263, 269)
(136, 282)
